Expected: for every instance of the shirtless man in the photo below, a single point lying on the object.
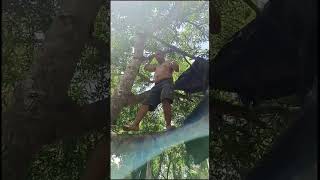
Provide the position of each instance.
(162, 92)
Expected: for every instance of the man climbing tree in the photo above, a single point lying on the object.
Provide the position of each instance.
(162, 92)
(135, 26)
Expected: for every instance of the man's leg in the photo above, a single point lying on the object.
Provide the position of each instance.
(148, 104)
(135, 125)
(166, 105)
(167, 99)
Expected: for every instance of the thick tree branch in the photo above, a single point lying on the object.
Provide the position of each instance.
(77, 119)
(123, 91)
(149, 170)
(67, 120)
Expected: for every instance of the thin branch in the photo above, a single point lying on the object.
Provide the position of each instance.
(168, 166)
(199, 28)
(188, 40)
(186, 60)
(176, 35)
(163, 176)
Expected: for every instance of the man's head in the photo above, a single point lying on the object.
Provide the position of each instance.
(160, 56)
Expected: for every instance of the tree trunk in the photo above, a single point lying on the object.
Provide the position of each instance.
(123, 92)
(168, 168)
(174, 171)
(96, 166)
(159, 167)
(41, 111)
(149, 170)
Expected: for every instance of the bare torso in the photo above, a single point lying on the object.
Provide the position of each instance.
(163, 71)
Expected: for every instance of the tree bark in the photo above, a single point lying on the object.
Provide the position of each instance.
(120, 97)
(42, 112)
(96, 167)
(149, 170)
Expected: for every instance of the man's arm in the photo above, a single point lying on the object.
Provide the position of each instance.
(174, 66)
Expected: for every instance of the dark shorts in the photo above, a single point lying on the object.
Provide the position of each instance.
(160, 91)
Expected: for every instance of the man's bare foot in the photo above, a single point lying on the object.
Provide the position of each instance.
(168, 128)
(131, 127)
